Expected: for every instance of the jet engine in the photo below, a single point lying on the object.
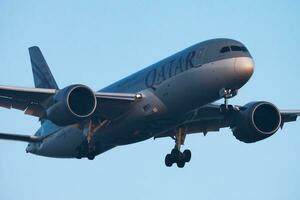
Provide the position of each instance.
(256, 121)
(71, 105)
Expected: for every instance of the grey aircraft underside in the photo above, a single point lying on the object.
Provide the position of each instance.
(171, 98)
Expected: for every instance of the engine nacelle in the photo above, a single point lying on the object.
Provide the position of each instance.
(256, 121)
(71, 105)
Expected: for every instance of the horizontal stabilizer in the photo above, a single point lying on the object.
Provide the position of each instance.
(23, 138)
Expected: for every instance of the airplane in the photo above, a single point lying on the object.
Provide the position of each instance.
(172, 98)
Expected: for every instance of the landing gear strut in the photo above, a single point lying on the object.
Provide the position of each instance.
(227, 94)
(88, 148)
(91, 143)
(176, 156)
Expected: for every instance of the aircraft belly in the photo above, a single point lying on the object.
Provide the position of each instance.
(62, 144)
(133, 126)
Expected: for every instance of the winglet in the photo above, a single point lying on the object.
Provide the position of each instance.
(42, 75)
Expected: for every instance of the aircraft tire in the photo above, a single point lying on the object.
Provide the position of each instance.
(91, 156)
(187, 154)
(180, 163)
(175, 155)
(168, 160)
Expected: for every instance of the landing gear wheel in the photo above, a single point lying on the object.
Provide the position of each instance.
(176, 156)
(168, 160)
(91, 156)
(187, 154)
(180, 163)
(229, 108)
(175, 153)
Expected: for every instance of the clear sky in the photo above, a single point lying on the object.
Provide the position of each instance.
(99, 42)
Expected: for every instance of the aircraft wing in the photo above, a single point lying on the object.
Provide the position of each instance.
(289, 115)
(23, 138)
(111, 105)
(209, 118)
(202, 120)
(34, 100)
(26, 99)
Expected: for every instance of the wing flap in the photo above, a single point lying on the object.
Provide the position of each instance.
(5, 102)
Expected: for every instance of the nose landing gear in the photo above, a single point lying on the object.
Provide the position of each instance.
(227, 94)
(176, 156)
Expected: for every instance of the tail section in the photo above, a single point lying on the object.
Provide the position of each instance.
(42, 75)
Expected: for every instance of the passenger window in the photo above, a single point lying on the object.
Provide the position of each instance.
(236, 48)
(224, 49)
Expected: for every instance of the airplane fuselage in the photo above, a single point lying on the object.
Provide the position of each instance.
(174, 86)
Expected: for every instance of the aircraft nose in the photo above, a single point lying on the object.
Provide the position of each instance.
(244, 67)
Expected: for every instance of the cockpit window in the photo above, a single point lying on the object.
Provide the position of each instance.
(244, 49)
(224, 49)
(235, 48)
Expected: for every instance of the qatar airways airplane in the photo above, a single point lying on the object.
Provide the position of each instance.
(171, 98)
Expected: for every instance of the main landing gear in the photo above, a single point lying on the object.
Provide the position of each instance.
(88, 148)
(176, 156)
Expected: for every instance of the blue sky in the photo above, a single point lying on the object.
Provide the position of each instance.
(99, 42)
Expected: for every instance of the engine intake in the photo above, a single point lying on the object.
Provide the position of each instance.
(256, 121)
(71, 105)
